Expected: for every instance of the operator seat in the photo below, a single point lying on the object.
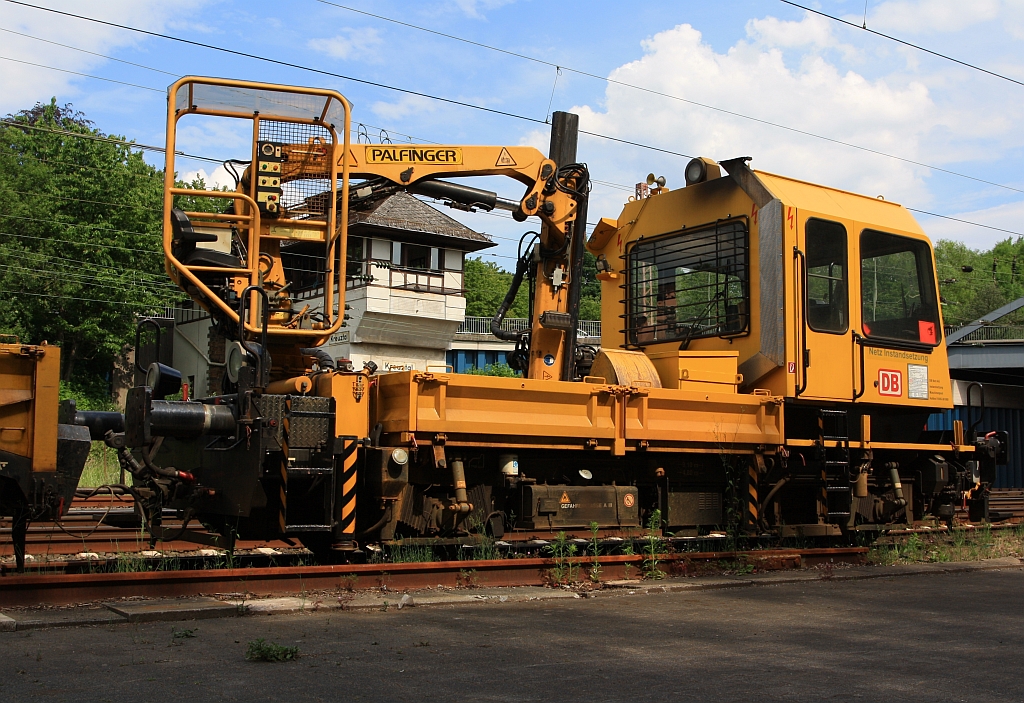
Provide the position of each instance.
(185, 240)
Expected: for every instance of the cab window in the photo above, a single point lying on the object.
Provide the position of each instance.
(827, 302)
(688, 285)
(898, 299)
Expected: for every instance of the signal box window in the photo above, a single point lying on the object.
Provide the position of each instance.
(827, 300)
(898, 299)
(414, 256)
(688, 285)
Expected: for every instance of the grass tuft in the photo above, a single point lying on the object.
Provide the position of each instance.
(262, 651)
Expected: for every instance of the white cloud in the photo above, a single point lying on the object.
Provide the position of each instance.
(1007, 216)
(923, 16)
(812, 30)
(753, 79)
(350, 43)
(403, 107)
(219, 178)
(24, 85)
(475, 8)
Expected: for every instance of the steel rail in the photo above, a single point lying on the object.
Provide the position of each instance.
(62, 589)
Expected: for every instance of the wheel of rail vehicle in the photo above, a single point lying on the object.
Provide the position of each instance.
(322, 545)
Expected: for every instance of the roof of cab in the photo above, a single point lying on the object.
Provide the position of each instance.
(841, 204)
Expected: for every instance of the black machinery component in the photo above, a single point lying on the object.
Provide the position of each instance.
(98, 421)
(146, 418)
(561, 506)
(463, 197)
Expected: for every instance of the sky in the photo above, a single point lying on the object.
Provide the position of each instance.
(801, 94)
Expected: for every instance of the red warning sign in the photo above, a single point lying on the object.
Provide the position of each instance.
(629, 500)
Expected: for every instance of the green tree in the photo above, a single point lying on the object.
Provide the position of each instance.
(486, 284)
(975, 282)
(80, 253)
(590, 293)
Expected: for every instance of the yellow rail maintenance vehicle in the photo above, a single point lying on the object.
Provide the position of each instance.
(771, 349)
(42, 450)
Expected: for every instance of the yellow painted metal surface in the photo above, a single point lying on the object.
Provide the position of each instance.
(616, 417)
(703, 371)
(822, 366)
(29, 395)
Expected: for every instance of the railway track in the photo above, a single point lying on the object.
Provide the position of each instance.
(102, 525)
(32, 589)
(105, 525)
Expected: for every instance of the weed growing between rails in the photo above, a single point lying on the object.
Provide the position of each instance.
(961, 544)
(735, 501)
(594, 549)
(562, 552)
(399, 553)
(653, 547)
(628, 551)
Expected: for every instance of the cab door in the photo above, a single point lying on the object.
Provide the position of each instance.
(826, 341)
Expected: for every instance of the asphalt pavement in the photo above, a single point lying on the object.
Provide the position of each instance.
(934, 637)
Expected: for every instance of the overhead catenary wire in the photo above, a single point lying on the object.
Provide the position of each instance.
(87, 280)
(470, 105)
(97, 227)
(865, 28)
(652, 91)
(81, 135)
(160, 279)
(506, 113)
(146, 306)
(80, 200)
(88, 245)
(86, 51)
(78, 73)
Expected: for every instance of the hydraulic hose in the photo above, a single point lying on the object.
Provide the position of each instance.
(517, 280)
(323, 359)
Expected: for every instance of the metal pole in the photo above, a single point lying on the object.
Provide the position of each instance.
(564, 138)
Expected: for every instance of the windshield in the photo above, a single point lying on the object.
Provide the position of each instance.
(898, 299)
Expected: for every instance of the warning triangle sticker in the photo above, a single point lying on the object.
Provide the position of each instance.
(505, 158)
(352, 160)
(565, 497)
(545, 376)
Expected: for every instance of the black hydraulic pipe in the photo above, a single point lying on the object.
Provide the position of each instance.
(464, 195)
(176, 418)
(99, 422)
(323, 358)
(517, 280)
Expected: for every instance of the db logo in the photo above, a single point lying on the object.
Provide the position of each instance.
(890, 382)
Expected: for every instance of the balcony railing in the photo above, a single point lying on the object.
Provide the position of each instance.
(589, 329)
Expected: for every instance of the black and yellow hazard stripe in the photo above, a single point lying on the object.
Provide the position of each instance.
(752, 518)
(285, 426)
(346, 497)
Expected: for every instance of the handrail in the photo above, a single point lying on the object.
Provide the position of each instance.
(173, 265)
(802, 332)
(335, 116)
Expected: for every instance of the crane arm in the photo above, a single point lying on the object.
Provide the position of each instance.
(417, 167)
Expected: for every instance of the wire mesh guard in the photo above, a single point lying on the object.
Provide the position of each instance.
(306, 196)
(688, 285)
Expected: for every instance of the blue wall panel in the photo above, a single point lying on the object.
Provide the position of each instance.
(463, 359)
(1005, 419)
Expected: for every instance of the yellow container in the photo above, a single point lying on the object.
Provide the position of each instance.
(705, 371)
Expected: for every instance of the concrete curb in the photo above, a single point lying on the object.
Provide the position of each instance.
(205, 608)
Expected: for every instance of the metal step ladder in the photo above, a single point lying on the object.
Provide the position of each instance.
(834, 428)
